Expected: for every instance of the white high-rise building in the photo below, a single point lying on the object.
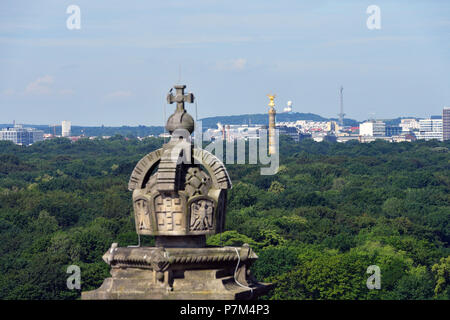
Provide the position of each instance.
(446, 123)
(22, 136)
(409, 125)
(430, 129)
(66, 127)
(372, 129)
(430, 125)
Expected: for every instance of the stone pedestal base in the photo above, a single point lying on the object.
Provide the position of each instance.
(179, 273)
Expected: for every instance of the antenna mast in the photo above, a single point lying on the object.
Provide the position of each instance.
(342, 114)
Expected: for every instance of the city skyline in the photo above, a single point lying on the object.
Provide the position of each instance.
(117, 68)
(59, 123)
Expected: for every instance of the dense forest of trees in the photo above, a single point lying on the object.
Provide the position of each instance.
(330, 212)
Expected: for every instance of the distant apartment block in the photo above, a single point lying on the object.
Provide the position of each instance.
(232, 132)
(430, 129)
(446, 124)
(21, 136)
(409, 125)
(308, 126)
(428, 125)
(393, 131)
(66, 127)
(372, 129)
(292, 132)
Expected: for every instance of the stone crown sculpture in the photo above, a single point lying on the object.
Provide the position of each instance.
(179, 190)
(179, 196)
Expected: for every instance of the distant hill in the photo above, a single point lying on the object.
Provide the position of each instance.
(138, 131)
(263, 118)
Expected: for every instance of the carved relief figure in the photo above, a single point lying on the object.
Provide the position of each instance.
(142, 214)
(202, 215)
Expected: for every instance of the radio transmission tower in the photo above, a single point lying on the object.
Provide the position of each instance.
(342, 114)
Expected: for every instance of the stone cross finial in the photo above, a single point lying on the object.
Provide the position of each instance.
(180, 119)
(180, 98)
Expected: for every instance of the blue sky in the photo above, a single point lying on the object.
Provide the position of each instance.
(117, 69)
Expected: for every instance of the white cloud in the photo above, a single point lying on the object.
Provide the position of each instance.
(133, 42)
(119, 94)
(239, 64)
(8, 92)
(368, 40)
(40, 85)
(66, 92)
(233, 64)
(44, 86)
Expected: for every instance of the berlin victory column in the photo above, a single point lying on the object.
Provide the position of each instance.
(179, 196)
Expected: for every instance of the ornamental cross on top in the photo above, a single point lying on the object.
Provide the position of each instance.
(180, 98)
